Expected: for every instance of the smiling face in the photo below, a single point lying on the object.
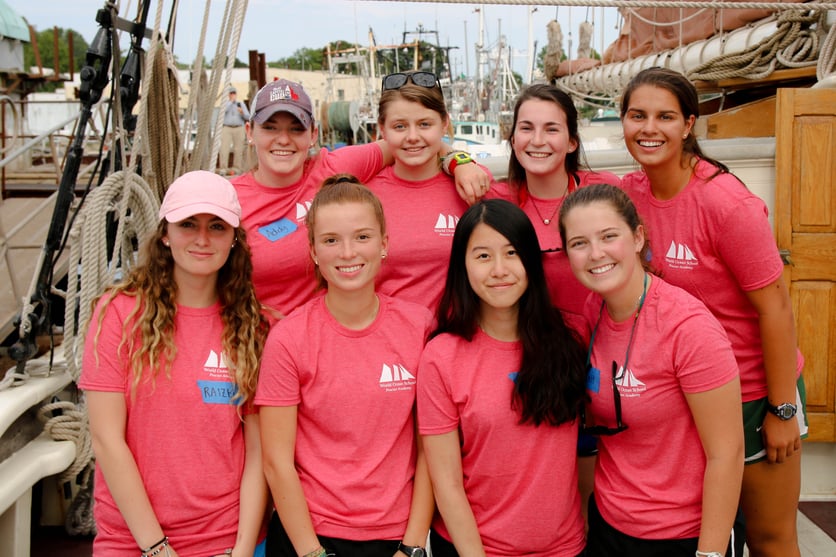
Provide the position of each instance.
(655, 127)
(494, 270)
(348, 246)
(414, 134)
(200, 246)
(541, 139)
(602, 249)
(281, 144)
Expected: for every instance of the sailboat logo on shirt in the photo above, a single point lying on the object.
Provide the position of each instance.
(680, 256)
(219, 389)
(628, 384)
(396, 378)
(215, 361)
(446, 224)
(302, 210)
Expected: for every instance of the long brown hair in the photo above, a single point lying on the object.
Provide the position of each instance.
(148, 330)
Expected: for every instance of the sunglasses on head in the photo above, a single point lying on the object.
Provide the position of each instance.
(398, 80)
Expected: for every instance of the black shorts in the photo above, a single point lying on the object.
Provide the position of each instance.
(605, 541)
(278, 544)
(441, 547)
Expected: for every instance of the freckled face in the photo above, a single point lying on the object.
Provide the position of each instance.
(348, 245)
(414, 134)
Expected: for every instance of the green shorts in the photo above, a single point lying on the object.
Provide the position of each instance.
(755, 411)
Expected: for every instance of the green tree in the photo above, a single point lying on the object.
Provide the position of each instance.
(46, 46)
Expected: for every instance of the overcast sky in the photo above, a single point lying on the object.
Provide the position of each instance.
(279, 27)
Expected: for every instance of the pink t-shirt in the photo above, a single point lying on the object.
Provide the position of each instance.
(649, 478)
(355, 392)
(274, 218)
(421, 218)
(568, 295)
(713, 239)
(179, 426)
(521, 480)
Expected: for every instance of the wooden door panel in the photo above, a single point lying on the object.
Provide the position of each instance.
(805, 227)
(813, 257)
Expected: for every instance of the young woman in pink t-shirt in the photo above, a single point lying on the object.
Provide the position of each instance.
(712, 238)
(337, 394)
(500, 389)
(545, 165)
(421, 202)
(170, 369)
(664, 394)
(276, 194)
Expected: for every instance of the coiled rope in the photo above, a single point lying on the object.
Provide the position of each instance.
(774, 6)
(792, 45)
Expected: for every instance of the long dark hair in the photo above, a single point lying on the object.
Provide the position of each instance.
(573, 161)
(550, 385)
(689, 104)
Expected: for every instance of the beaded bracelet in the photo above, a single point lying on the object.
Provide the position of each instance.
(160, 546)
(153, 545)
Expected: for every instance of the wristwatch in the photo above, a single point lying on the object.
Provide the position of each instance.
(412, 551)
(784, 411)
(454, 159)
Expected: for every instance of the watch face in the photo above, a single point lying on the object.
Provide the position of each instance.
(785, 411)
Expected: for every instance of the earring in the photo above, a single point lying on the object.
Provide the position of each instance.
(165, 243)
(315, 261)
(685, 136)
(383, 255)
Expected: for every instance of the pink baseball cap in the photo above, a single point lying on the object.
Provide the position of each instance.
(282, 95)
(199, 192)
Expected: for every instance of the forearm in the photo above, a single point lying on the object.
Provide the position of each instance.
(422, 507)
(458, 518)
(721, 492)
(779, 353)
(253, 496)
(289, 500)
(128, 491)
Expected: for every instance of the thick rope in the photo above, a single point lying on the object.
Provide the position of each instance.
(230, 37)
(72, 424)
(131, 198)
(201, 105)
(775, 6)
(164, 130)
(827, 56)
(760, 60)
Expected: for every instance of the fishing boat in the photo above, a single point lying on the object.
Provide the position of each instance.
(774, 126)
